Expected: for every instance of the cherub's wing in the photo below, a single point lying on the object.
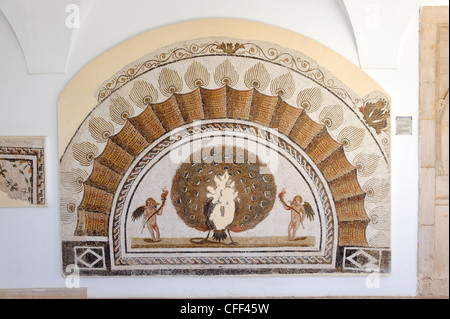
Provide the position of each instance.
(138, 213)
(309, 211)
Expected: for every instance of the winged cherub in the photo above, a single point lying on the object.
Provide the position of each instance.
(150, 211)
(300, 210)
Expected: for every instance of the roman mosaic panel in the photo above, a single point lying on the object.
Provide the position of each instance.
(22, 171)
(222, 156)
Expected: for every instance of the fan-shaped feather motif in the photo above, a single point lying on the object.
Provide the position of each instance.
(283, 86)
(332, 116)
(352, 138)
(257, 77)
(379, 218)
(120, 110)
(143, 93)
(85, 153)
(100, 129)
(310, 99)
(197, 75)
(74, 180)
(366, 164)
(67, 209)
(170, 82)
(377, 190)
(225, 74)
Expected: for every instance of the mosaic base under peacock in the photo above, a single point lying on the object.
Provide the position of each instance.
(219, 156)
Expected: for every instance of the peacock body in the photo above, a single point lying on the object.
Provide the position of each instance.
(223, 194)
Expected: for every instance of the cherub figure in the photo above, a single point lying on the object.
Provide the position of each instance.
(150, 212)
(300, 210)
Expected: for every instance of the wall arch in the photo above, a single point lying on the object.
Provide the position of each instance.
(233, 83)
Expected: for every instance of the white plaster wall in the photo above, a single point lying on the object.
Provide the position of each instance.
(29, 238)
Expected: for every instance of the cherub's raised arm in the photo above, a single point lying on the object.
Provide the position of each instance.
(285, 205)
(281, 197)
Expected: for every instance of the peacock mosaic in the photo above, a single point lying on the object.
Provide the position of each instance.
(222, 156)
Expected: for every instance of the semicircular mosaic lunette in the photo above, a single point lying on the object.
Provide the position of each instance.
(158, 119)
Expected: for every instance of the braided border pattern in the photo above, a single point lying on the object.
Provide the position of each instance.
(217, 260)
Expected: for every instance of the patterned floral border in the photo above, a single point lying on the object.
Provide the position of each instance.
(38, 153)
(298, 64)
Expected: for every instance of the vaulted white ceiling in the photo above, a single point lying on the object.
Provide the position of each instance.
(47, 29)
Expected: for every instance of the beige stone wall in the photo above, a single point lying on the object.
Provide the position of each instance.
(433, 253)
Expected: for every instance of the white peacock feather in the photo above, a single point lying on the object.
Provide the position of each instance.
(223, 197)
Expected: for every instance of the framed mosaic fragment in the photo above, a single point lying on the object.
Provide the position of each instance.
(22, 171)
(223, 155)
